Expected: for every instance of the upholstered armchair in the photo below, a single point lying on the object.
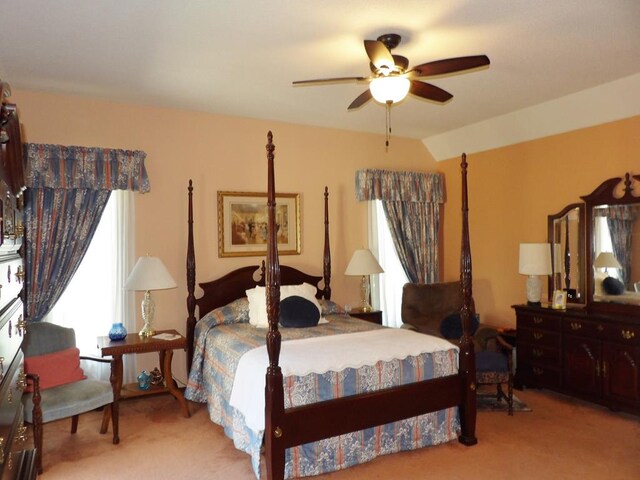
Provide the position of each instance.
(57, 387)
(434, 309)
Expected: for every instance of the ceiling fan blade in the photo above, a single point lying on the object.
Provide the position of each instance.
(379, 54)
(430, 92)
(363, 98)
(331, 80)
(449, 65)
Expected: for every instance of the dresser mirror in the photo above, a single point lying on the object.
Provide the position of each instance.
(613, 246)
(566, 230)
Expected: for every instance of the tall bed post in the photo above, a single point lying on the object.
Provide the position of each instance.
(467, 355)
(274, 390)
(191, 282)
(326, 264)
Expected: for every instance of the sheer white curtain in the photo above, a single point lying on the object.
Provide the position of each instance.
(95, 299)
(386, 288)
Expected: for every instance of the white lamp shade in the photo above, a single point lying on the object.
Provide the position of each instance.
(149, 273)
(363, 263)
(535, 259)
(389, 89)
(606, 260)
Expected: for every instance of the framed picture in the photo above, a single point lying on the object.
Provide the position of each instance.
(559, 299)
(242, 224)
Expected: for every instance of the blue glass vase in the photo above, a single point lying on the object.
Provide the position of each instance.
(117, 332)
(144, 380)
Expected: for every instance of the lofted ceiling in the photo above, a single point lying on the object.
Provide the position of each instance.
(240, 57)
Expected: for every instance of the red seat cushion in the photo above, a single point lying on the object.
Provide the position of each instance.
(56, 368)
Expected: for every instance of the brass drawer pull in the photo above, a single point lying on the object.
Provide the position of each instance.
(537, 320)
(537, 371)
(21, 383)
(628, 334)
(576, 326)
(537, 353)
(538, 335)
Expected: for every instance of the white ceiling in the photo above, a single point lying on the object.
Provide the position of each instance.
(239, 57)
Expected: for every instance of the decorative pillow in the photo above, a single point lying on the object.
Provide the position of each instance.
(54, 369)
(613, 286)
(234, 312)
(451, 326)
(258, 307)
(328, 307)
(258, 301)
(298, 312)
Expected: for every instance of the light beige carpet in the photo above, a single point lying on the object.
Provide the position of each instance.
(561, 438)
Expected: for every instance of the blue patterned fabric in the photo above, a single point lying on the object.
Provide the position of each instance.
(221, 341)
(59, 166)
(67, 191)
(411, 202)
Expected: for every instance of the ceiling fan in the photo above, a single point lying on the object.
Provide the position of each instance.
(392, 79)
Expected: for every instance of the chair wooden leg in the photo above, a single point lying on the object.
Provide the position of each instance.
(37, 421)
(74, 423)
(510, 394)
(106, 418)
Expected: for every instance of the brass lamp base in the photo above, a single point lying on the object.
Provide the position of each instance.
(147, 331)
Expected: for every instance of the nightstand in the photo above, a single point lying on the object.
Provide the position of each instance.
(374, 316)
(136, 344)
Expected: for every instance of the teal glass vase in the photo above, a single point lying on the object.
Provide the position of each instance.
(117, 332)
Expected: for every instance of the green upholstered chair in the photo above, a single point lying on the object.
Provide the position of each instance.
(58, 387)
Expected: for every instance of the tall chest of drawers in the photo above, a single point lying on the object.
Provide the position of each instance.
(594, 357)
(16, 458)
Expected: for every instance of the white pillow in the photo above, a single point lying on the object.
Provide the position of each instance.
(258, 301)
(258, 307)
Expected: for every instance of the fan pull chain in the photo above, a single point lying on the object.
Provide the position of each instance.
(388, 124)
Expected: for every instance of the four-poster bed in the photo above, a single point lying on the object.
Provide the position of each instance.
(438, 403)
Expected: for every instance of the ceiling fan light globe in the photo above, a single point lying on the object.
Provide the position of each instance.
(389, 89)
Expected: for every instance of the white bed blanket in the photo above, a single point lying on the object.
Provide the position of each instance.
(323, 354)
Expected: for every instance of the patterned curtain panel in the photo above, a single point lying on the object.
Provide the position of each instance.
(411, 202)
(67, 190)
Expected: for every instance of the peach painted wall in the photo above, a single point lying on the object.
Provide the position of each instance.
(225, 153)
(511, 192)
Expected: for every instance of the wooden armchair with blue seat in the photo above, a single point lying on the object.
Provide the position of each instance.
(434, 309)
(57, 385)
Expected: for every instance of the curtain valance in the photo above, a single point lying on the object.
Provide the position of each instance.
(91, 168)
(392, 186)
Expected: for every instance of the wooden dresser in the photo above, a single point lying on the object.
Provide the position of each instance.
(588, 355)
(16, 458)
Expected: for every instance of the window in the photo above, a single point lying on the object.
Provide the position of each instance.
(94, 298)
(386, 288)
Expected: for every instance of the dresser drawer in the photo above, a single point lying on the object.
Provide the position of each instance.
(10, 283)
(621, 333)
(11, 405)
(538, 337)
(537, 354)
(538, 321)
(582, 327)
(540, 376)
(19, 464)
(11, 335)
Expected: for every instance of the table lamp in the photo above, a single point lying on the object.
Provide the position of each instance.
(606, 260)
(149, 273)
(363, 263)
(535, 260)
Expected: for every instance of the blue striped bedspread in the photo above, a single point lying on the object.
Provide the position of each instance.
(224, 335)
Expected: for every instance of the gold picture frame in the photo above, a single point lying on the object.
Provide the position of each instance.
(242, 224)
(559, 300)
